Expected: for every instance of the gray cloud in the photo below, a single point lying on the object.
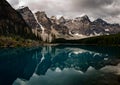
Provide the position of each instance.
(98, 8)
(92, 3)
(71, 8)
(14, 3)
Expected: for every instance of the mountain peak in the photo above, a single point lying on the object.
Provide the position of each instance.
(41, 14)
(23, 7)
(100, 21)
(12, 22)
(28, 17)
(62, 19)
(83, 18)
(53, 17)
(43, 19)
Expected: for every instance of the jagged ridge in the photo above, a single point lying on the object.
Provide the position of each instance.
(11, 22)
(78, 28)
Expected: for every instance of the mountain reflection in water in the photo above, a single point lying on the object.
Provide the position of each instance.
(60, 65)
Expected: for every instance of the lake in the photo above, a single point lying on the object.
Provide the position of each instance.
(60, 65)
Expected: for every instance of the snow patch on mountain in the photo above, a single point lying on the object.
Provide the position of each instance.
(107, 30)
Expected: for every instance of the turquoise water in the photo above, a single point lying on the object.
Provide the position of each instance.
(60, 65)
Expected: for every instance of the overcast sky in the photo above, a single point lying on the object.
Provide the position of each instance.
(106, 9)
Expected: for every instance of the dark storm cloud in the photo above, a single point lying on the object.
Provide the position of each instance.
(72, 8)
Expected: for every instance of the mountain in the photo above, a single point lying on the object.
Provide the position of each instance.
(69, 29)
(43, 20)
(39, 22)
(54, 20)
(29, 17)
(84, 27)
(51, 26)
(105, 40)
(11, 22)
(62, 20)
(31, 21)
(50, 23)
(102, 27)
(78, 25)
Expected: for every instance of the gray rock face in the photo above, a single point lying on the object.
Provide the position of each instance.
(54, 20)
(29, 17)
(43, 20)
(51, 23)
(80, 27)
(62, 20)
(11, 22)
(83, 25)
(101, 26)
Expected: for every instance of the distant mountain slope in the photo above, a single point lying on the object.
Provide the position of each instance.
(99, 40)
(11, 22)
(83, 26)
(113, 39)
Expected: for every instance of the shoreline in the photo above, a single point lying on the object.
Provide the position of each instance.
(55, 44)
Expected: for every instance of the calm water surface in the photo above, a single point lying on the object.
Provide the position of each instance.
(60, 65)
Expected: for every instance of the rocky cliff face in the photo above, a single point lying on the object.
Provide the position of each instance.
(51, 26)
(80, 27)
(61, 20)
(11, 22)
(39, 22)
(29, 17)
(101, 27)
(31, 21)
(54, 20)
(43, 20)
